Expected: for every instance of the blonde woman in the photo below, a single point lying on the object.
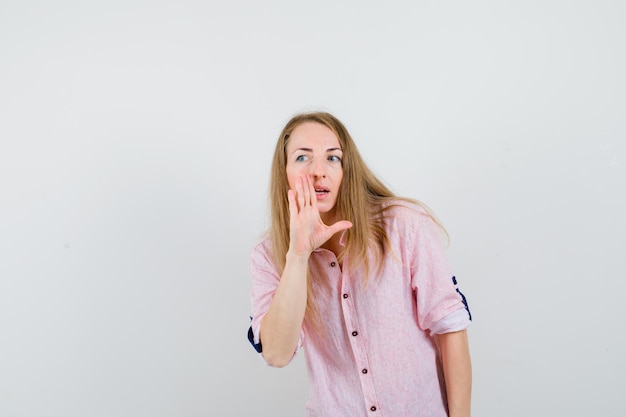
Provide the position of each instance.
(357, 277)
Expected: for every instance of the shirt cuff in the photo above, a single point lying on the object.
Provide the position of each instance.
(454, 322)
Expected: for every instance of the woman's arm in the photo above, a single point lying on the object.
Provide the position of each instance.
(281, 325)
(457, 370)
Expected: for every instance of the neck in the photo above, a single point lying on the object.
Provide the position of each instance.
(329, 217)
(333, 244)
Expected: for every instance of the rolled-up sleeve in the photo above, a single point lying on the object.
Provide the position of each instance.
(441, 307)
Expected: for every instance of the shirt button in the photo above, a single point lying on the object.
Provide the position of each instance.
(354, 333)
(332, 264)
(345, 296)
(373, 408)
(364, 371)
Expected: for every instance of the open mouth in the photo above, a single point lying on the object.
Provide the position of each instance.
(321, 190)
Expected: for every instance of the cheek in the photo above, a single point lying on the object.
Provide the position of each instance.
(339, 178)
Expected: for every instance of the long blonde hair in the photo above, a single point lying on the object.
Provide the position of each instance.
(360, 200)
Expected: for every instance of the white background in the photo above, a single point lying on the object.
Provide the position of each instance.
(136, 140)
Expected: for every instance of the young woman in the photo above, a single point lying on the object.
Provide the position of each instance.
(358, 278)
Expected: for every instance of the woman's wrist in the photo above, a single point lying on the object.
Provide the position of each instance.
(297, 258)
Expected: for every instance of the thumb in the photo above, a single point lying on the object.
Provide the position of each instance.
(339, 226)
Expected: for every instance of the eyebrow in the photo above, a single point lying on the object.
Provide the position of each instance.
(311, 150)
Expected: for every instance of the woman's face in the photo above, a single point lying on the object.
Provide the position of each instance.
(313, 150)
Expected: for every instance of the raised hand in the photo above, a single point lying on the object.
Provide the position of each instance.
(307, 230)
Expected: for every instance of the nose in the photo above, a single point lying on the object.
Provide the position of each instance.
(317, 169)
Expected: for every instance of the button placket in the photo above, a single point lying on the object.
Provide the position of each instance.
(357, 343)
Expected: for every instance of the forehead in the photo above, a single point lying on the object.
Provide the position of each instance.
(312, 135)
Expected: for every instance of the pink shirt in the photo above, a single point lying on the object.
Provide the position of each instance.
(375, 355)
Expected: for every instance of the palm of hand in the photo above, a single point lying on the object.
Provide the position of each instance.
(307, 230)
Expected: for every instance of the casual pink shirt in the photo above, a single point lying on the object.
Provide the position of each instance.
(375, 355)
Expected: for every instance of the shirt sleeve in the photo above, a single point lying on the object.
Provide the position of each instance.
(441, 307)
(265, 279)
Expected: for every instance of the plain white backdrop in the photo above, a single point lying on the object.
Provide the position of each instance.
(136, 139)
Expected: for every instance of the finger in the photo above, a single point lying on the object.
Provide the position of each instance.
(293, 207)
(306, 189)
(330, 231)
(339, 226)
(312, 193)
(300, 194)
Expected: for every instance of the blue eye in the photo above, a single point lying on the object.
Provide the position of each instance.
(301, 158)
(334, 158)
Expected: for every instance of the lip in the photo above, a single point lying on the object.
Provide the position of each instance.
(321, 192)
